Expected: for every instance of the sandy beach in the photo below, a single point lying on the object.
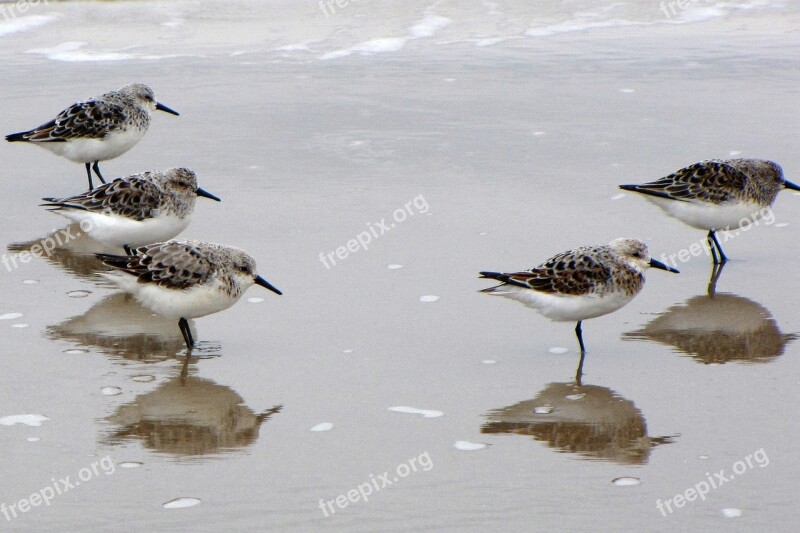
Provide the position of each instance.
(487, 135)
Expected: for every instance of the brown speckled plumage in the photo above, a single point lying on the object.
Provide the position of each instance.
(139, 196)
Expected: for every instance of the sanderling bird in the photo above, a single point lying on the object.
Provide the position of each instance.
(580, 284)
(99, 128)
(716, 195)
(185, 279)
(135, 210)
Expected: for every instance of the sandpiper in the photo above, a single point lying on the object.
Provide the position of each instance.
(135, 210)
(99, 128)
(580, 284)
(185, 279)
(716, 195)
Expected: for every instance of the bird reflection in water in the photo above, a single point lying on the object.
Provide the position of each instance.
(68, 248)
(591, 421)
(717, 328)
(188, 417)
(118, 325)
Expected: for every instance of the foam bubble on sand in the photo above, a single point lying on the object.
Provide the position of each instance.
(626, 481)
(181, 503)
(19, 24)
(467, 446)
(28, 420)
(426, 413)
(428, 298)
(322, 426)
(11, 316)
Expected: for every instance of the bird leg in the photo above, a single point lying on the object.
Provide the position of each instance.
(187, 337)
(89, 175)
(129, 251)
(579, 333)
(96, 168)
(722, 257)
(187, 333)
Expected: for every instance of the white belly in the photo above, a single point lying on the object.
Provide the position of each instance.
(190, 303)
(707, 216)
(561, 308)
(115, 230)
(90, 150)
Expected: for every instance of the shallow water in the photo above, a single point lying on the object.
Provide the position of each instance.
(501, 135)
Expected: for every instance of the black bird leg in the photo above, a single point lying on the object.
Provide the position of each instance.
(579, 333)
(187, 337)
(89, 175)
(722, 257)
(129, 251)
(187, 333)
(96, 168)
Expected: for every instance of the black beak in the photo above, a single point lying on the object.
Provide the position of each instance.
(206, 194)
(790, 185)
(165, 109)
(662, 266)
(267, 285)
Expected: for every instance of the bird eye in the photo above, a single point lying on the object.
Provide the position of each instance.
(637, 254)
(245, 269)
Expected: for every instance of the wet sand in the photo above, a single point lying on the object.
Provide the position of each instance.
(517, 150)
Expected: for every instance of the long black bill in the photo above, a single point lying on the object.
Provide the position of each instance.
(267, 285)
(790, 185)
(206, 194)
(165, 109)
(662, 266)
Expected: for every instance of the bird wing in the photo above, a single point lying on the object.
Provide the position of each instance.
(172, 264)
(708, 181)
(131, 197)
(92, 119)
(571, 273)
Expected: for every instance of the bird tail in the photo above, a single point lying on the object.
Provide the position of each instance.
(499, 276)
(17, 137)
(115, 261)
